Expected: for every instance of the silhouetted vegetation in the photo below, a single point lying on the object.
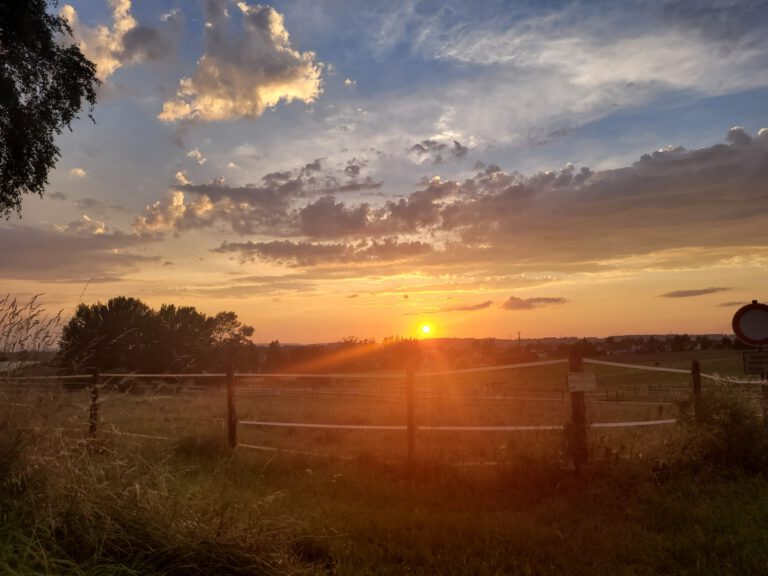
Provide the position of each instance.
(44, 81)
(125, 333)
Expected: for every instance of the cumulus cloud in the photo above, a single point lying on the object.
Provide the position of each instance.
(673, 208)
(78, 173)
(692, 293)
(86, 225)
(181, 178)
(125, 42)
(197, 156)
(243, 73)
(327, 218)
(514, 303)
(272, 207)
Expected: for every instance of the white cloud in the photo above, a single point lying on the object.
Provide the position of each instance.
(125, 42)
(86, 225)
(197, 155)
(78, 173)
(241, 75)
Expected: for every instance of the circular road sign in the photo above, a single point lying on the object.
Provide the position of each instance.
(750, 324)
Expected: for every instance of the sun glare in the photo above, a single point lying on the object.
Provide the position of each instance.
(425, 329)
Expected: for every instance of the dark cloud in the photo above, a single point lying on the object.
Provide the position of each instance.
(514, 303)
(271, 207)
(327, 218)
(672, 208)
(732, 304)
(438, 151)
(691, 293)
(469, 308)
(314, 254)
(73, 253)
(146, 43)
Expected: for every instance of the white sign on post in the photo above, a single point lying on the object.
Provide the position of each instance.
(581, 381)
(755, 362)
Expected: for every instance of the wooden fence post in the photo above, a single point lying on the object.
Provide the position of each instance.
(578, 412)
(410, 418)
(231, 411)
(93, 414)
(696, 378)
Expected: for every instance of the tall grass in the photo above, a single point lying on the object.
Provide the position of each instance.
(26, 328)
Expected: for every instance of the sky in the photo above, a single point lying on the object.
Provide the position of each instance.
(331, 168)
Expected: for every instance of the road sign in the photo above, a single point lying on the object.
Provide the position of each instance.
(755, 362)
(750, 324)
(581, 381)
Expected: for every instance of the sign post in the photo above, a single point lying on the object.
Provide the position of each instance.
(750, 325)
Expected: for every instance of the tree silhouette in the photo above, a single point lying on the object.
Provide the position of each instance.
(126, 333)
(43, 82)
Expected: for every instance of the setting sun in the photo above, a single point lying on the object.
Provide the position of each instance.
(425, 329)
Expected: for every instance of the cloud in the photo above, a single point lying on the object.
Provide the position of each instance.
(327, 218)
(436, 151)
(273, 207)
(98, 206)
(197, 155)
(692, 293)
(470, 308)
(514, 303)
(313, 254)
(732, 304)
(568, 52)
(125, 42)
(673, 208)
(241, 74)
(78, 173)
(75, 252)
(86, 225)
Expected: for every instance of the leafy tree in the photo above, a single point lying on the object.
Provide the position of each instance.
(182, 337)
(107, 335)
(275, 358)
(126, 333)
(44, 80)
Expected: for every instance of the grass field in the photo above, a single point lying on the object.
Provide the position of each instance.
(681, 499)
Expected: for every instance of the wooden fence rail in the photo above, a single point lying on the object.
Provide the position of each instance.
(578, 428)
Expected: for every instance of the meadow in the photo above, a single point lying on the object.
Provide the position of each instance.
(159, 492)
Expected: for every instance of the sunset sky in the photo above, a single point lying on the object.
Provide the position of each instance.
(331, 168)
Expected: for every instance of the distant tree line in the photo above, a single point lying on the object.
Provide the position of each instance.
(127, 334)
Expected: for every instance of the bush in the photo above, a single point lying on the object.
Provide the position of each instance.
(728, 433)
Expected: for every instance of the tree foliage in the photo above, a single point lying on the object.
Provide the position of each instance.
(44, 80)
(126, 333)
